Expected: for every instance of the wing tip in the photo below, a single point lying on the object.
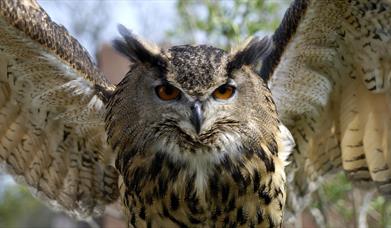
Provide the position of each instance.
(283, 34)
(28, 19)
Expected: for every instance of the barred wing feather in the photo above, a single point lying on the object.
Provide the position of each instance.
(52, 135)
(330, 78)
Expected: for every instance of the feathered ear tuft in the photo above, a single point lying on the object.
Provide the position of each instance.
(104, 93)
(250, 52)
(136, 50)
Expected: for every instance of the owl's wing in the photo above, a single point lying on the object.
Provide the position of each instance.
(52, 135)
(329, 74)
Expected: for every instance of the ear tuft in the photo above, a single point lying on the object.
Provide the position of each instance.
(250, 53)
(104, 93)
(136, 50)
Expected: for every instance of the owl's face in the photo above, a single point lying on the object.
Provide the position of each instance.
(191, 101)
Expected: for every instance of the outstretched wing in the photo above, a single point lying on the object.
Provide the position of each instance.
(330, 79)
(52, 135)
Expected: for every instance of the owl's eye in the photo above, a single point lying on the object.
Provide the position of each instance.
(224, 92)
(167, 92)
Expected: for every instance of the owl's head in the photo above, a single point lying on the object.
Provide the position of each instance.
(191, 101)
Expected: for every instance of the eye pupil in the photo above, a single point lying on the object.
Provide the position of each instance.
(222, 89)
(169, 90)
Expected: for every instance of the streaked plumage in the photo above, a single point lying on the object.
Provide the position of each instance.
(328, 72)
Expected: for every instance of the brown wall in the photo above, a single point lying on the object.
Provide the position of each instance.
(113, 65)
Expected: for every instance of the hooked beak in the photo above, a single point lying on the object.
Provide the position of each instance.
(196, 116)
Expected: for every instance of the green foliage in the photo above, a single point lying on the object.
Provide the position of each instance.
(338, 203)
(225, 22)
(337, 188)
(17, 207)
(381, 211)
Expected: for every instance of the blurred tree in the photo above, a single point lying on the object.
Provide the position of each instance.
(88, 24)
(14, 202)
(225, 22)
(19, 209)
(85, 20)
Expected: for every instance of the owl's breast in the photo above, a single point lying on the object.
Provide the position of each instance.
(162, 192)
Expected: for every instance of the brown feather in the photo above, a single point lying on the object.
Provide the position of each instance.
(52, 134)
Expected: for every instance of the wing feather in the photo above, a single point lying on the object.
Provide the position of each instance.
(331, 84)
(52, 135)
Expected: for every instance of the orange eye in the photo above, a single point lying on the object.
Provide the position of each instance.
(224, 92)
(167, 92)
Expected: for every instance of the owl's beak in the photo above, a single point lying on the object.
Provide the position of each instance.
(196, 115)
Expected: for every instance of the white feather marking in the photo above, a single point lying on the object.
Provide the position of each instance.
(285, 144)
(70, 72)
(203, 159)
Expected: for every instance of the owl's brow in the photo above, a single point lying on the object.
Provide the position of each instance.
(162, 73)
(163, 80)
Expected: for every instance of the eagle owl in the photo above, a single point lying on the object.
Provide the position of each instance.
(194, 136)
(204, 146)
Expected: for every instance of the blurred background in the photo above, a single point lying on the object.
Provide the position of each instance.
(171, 22)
